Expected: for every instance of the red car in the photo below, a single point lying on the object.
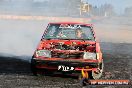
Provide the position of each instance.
(69, 48)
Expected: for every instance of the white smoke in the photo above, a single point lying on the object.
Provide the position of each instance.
(20, 37)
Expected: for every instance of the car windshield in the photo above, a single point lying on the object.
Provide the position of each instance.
(68, 31)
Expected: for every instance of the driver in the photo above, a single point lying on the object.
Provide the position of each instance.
(60, 34)
(80, 34)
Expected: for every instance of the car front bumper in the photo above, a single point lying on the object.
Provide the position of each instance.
(53, 64)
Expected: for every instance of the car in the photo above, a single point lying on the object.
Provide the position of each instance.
(69, 47)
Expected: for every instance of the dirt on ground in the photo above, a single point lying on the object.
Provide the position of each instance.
(16, 73)
(19, 36)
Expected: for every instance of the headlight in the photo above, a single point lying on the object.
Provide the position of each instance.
(89, 55)
(43, 53)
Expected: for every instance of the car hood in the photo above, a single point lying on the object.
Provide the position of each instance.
(81, 45)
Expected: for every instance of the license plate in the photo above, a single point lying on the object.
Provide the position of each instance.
(65, 68)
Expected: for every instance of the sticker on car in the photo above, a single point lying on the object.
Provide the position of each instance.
(65, 68)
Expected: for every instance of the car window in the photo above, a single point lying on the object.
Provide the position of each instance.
(58, 31)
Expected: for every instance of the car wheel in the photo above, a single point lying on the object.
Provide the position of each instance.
(33, 67)
(97, 75)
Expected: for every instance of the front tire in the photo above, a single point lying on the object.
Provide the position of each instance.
(33, 67)
(98, 75)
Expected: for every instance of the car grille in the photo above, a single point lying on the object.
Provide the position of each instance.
(70, 47)
(67, 56)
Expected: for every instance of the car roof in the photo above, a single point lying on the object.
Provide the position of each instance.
(71, 23)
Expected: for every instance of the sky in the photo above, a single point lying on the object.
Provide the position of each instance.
(119, 5)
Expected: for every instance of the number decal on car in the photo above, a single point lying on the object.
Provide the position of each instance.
(65, 68)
